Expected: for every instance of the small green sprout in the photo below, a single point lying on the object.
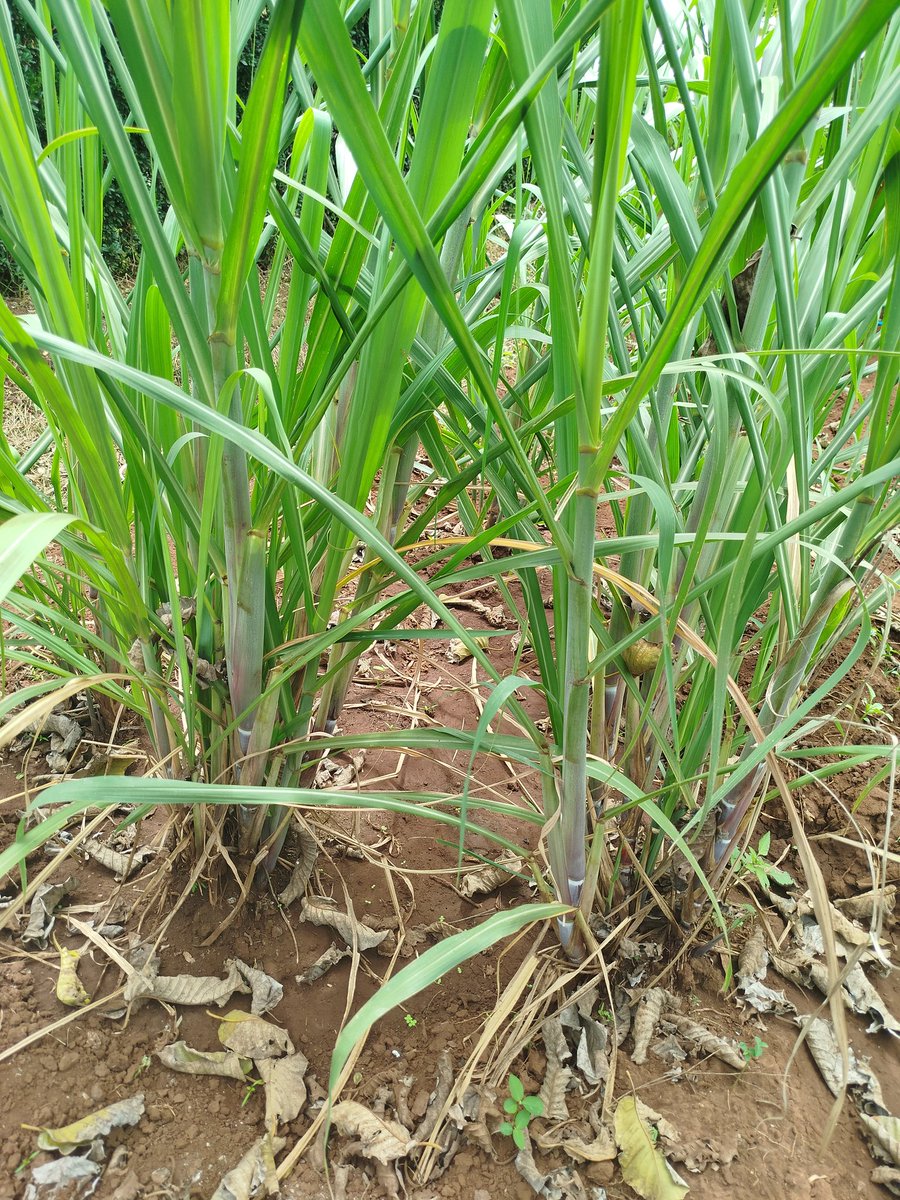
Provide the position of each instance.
(410, 1020)
(755, 1050)
(145, 1062)
(251, 1088)
(521, 1108)
(753, 862)
(26, 1162)
(873, 711)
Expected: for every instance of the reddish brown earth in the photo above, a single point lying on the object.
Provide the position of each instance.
(194, 1129)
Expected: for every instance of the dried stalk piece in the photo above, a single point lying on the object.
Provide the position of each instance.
(484, 879)
(376, 1137)
(319, 911)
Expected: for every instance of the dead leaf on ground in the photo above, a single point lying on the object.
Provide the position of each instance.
(557, 1077)
(179, 1056)
(644, 1167)
(205, 989)
(46, 900)
(122, 864)
(884, 1134)
(63, 1179)
(319, 911)
(69, 988)
(377, 1137)
(654, 1002)
(302, 872)
(254, 1173)
(563, 1183)
(707, 1042)
(95, 1125)
(252, 1037)
(285, 1080)
(823, 1046)
(330, 958)
(484, 879)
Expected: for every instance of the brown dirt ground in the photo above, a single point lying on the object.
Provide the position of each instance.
(195, 1128)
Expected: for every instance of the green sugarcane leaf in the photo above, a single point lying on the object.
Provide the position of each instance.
(431, 966)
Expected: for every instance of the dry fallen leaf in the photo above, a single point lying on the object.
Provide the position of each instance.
(255, 1171)
(69, 989)
(63, 1179)
(183, 1058)
(94, 1125)
(252, 1037)
(646, 1017)
(328, 959)
(484, 879)
(644, 1168)
(320, 912)
(285, 1080)
(46, 900)
(378, 1137)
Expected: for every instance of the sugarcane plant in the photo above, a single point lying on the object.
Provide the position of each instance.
(584, 260)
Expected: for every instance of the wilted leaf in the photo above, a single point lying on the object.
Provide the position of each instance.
(46, 900)
(328, 959)
(557, 1076)
(823, 1046)
(255, 1171)
(707, 1042)
(63, 1179)
(185, 989)
(265, 992)
(458, 651)
(69, 989)
(321, 912)
(378, 1137)
(884, 1132)
(182, 1057)
(483, 880)
(646, 1017)
(252, 1037)
(644, 1168)
(121, 864)
(302, 872)
(94, 1125)
(285, 1080)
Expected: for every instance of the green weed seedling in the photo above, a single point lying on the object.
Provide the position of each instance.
(410, 1020)
(753, 862)
(754, 1050)
(521, 1108)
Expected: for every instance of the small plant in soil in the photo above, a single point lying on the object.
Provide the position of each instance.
(754, 862)
(521, 1109)
(410, 1020)
(753, 1050)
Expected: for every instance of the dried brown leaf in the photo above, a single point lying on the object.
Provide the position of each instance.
(44, 903)
(285, 1080)
(483, 880)
(378, 1137)
(646, 1018)
(255, 1171)
(252, 1037)
(302, 872)
(707, 1042)
(181, 1057)
(330, 958)
(95, 1125)
(320, 912)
